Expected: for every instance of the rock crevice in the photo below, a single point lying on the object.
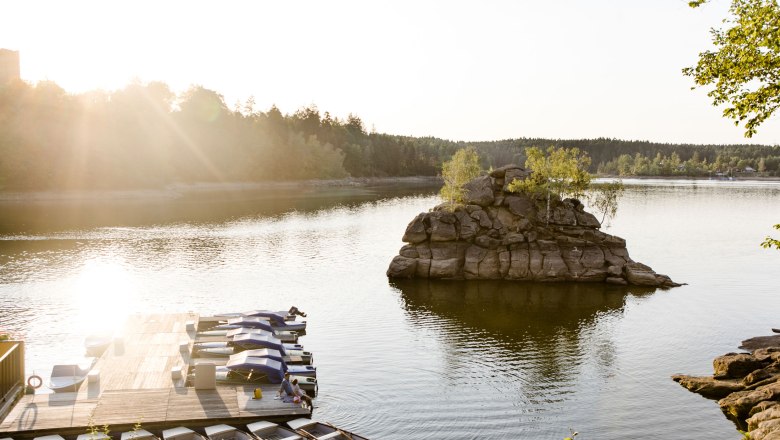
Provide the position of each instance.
(498, 234)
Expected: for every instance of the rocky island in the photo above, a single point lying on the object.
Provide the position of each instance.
(499, 234)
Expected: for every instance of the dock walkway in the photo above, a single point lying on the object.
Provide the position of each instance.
(135, 384)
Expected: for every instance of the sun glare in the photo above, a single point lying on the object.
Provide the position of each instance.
(104, 296)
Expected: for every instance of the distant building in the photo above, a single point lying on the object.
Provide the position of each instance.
(9, 66)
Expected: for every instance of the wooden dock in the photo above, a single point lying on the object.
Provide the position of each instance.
(135, 384)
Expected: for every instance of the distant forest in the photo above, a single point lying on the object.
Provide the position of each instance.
(145, 136)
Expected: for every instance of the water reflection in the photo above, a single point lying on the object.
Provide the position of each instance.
(542, 336)
(43, 212)
(515, 310)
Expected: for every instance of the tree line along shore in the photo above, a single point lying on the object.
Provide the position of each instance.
(145, 136)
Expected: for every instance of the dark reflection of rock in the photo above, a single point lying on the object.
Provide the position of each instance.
(540, 325)
(512, 307)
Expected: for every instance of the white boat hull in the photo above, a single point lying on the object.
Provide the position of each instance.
(66, 384)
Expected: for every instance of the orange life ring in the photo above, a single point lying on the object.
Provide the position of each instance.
(34, 381)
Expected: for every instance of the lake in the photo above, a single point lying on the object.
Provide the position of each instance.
(417, 359)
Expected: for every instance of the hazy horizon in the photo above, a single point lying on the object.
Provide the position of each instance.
(497, 70)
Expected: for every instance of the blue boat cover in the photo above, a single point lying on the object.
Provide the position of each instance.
(260, 353)
(278, 318)
(271, 368)
(264, 353)
(251, 341)
(251, 322)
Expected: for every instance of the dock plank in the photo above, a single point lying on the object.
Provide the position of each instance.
(219, 403)
(147, 404)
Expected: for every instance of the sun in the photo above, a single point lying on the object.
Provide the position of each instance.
(104, 296)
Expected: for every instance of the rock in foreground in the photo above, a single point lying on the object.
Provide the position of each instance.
(498, 234)
(748, 386)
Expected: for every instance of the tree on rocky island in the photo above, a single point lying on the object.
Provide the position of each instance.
(463, 167)
(559, 172)
(604, 197)
(562, 172)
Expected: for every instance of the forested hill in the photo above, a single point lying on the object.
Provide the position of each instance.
(644, 158)
(146, 136)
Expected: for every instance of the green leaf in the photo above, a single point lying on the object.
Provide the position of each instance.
(744, 70)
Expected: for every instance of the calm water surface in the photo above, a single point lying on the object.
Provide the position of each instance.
(422, 360)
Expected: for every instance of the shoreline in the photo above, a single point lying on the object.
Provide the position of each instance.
(179, 190)
(735, 179)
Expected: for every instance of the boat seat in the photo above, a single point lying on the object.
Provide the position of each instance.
(292, 437)
(334, 434)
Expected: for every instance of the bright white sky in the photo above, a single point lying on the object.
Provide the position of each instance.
(478, 70)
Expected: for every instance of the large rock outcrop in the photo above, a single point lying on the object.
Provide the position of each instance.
(747, 386)
(498, 234)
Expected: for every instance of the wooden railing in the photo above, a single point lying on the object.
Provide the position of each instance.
(11, 370)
